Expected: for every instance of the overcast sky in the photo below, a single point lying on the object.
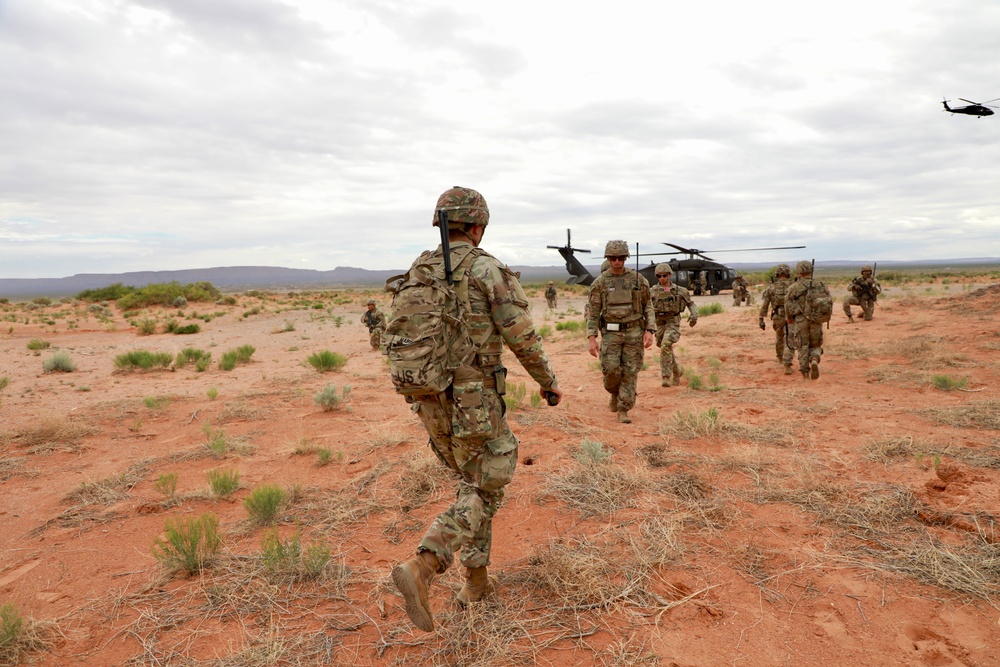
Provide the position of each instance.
(176, 134)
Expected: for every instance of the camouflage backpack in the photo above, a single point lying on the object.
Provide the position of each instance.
(427, 337)
(818, 302)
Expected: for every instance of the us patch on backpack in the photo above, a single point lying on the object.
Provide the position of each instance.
(426, 338)
(818, 302)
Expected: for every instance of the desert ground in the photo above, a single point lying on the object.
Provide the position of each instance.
(746, 517)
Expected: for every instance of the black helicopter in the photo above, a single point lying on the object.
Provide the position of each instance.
(686, 272)
(973, 108)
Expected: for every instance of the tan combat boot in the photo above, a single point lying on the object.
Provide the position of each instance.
(677, 375)
(413, 579)
(665, 382)
(478, 584)
(814, 369)
(850, 319)
(788, 369)
(613, 403)
(623, 417)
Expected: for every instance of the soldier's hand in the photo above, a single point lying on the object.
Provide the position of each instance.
(594, 346)
(760, 323)
(692, 321)
(552, 395)
(647, 340)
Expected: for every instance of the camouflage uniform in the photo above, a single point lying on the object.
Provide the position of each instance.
(467, 427)
(668, 306)
(740, 293)
(551, 296)
(774, 298)
(621, 311)
(864, 292)
(806, 335)
(375, 321)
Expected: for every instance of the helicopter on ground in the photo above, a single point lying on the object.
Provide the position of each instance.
(686, 272)
(972, 108)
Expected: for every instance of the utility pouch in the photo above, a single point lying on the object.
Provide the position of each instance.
(500, 374)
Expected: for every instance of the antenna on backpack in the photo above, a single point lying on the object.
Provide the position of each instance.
(445, 246)
(637, 266)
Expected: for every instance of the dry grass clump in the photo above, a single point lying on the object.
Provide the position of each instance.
(384, 435)
(974, 414)
(420, 481)
(685, 485)
(658, 542)
(885, 450)
(656, 455)
(110, 489)
(243, 411)
(853, 349)
(581, 574)
(9, 467)
(337, 509)
(894, 374)
(595, 486)
(49, 434)
(20, 635)
(690, 425)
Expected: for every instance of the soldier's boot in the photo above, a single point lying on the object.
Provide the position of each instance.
(623, 417)
(413, 579)
(478, 585)
(613, 403)
(788, 369)
(805, 374)
(813, 368)
(677, 374)
(850, 319)
(666, 382)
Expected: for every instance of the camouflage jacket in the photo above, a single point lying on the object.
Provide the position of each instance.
(373, 319)
(669, 304)
(740, 282)
(497, 311)
(774, 298)
(624, 299)
(550, 292)
(865, 288)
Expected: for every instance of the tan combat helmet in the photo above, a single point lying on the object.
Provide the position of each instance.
(866, 269)
(551, 283)
(616, 249)
(464, 206)
(663, 269)
(783, 270)
(371, 302)
(804, 268)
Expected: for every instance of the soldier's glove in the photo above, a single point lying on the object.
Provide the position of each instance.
(760, 323)
(692, 321)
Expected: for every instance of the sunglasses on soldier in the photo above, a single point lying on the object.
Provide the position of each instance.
(616, 258)
(662, 275)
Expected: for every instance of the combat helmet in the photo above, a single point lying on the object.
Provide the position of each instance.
(783, 270)
(464, 206)
(866, 268)
(663, 268)
(616, 249)
(371, 302)
(804, 268)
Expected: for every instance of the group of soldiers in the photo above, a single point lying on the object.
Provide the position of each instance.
(466, 422)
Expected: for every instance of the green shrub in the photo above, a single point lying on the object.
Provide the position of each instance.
(156, 402)
(146, 326)
(223, 482)
(212, 393)
(287, 558)
(42, 301)
(948, 383)
(38, 344)
(545, 331)
(233, 358)
(695, 382)
(167, 294)
(190, 544)
(516, 391)
(591, 452)
(143, 360)
(323, 456)
(166, 484)
(187, 329)
(59, 363)
(325, 361)
(713, 308)
(217, 443)
(328, 398)
(109, 293)
(19, 636)
(571, 325)
(4, 382)
(264, 503)
(191, 355)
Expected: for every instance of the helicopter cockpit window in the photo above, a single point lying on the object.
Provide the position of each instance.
(731, 274)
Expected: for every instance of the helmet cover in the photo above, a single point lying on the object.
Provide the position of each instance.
(616, 249)
(464, 206)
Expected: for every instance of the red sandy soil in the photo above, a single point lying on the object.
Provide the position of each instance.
(755, 582)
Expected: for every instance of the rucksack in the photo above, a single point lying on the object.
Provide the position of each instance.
(818, 302)
(427, 337)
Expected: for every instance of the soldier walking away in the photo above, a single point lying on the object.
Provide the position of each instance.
(774, 299)
(740, 290)
(669, 301)
(551, 296)
(864, 292)
(621, 311)
(375, 321)
(807, 306)
(466, 423)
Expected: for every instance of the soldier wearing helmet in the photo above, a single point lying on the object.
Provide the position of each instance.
(621, 312)
(773, 300)
(741, 291)
(466, 423)
(864, 292)
(375, 321)
(551, 296)
(669, 301)
(805, 323)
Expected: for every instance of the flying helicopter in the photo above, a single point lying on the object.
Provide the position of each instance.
(973, 108)
(686, 272)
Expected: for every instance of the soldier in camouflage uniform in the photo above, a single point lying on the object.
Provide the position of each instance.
(774, 298)
(375, 321)
(740, 293)
(466, 424)
(669, 301)
(806, 335)
(864, 293)
(621, 311)
(551, 296)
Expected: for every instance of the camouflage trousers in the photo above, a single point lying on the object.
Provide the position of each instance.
(781, 349)
(739, 295)
(807, 338)
(469, 434)
(552, 301)
(666, 335)
(375, 338)
(621, 361)
(867, 306)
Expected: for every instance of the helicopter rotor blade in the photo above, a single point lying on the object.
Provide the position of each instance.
(659, 254)
(781, 247)
(993, 100)
(969, 101)
(683, 250)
